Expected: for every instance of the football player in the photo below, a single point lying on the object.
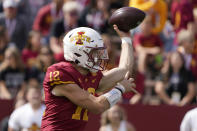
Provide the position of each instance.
(70, 86)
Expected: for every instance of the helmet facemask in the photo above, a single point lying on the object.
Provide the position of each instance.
(94, 59)
(97, 58)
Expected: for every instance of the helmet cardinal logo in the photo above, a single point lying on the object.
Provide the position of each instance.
(79, 41)
(80, 38)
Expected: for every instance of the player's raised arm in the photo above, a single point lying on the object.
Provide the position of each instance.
(123, 20)
(115, 75)
(126, 57)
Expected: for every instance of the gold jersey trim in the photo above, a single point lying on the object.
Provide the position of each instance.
(62, 82)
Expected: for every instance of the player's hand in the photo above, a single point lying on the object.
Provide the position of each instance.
(121, 33)
(128, 84)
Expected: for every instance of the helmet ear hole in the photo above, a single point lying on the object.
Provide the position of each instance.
(78, 55)
(77, 62)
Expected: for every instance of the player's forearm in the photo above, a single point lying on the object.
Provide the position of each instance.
(114, 76)
(126, 57)
(101, 106)
(94, 104)
(82, 98)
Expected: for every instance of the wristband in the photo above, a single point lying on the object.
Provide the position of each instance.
(120, 87)
(113, 96)
(126, 40)
(119, 90)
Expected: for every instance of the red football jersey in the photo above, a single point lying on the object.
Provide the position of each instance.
(61, 114)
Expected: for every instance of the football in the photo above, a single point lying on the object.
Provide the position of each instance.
(127, 18)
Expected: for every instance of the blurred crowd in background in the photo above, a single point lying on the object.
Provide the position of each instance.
(165, 44)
